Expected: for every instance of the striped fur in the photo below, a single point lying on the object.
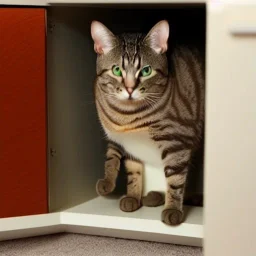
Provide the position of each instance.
(169, 111)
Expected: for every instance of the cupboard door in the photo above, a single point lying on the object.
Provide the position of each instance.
(23, 161)
(230, 169)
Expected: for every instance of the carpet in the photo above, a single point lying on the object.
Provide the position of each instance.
(83, 245)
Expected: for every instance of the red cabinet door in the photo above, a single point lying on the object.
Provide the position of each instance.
(23, 161)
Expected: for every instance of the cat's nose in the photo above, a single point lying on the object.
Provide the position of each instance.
(129, 90)
(129, 83)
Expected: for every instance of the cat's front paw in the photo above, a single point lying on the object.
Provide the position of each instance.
(104, 187)
(129, 204)
(172, 216)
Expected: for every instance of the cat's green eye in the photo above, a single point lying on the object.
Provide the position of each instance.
(146, 71)
(116, 70)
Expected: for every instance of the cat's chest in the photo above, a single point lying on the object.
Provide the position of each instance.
(138, 144)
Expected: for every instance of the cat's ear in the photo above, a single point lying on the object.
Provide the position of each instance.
(157, 38)
(104, 39)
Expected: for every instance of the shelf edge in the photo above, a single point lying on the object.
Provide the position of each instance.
(131, 228)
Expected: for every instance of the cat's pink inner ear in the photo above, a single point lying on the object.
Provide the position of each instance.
(157, 37)
(103, 38)
(98, 47)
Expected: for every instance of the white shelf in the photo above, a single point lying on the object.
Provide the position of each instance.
(102, 206)
(102, 216)
(49, 2)
(24, 2)
(17, 227)
(125, 1)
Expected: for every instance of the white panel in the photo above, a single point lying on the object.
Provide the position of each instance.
(33, 221)
(124, 1)
(102, 216)
(24, 2)
(76, 142)
(230, 206)
(31, 232)
(18, 227)
(47, 2)
(243, 2)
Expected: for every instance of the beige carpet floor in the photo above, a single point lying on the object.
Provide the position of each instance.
(82, 245)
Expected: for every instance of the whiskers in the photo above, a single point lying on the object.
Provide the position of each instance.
(152, 98)
(147, 100)
(110, 96)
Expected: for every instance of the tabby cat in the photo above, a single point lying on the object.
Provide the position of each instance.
(149, 112)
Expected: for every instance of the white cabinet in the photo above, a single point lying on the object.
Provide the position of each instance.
(230, 129)
(226, 221)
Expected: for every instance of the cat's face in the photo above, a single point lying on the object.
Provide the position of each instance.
(131, 68)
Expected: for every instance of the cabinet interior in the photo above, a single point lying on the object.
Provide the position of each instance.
(76, 142)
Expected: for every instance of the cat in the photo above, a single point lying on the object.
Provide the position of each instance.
(149, 112)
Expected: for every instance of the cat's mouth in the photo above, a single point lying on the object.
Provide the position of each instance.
(130, 100)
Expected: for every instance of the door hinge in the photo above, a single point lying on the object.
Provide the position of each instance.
(51, 26)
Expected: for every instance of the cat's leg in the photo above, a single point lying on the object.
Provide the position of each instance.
(112, 167)
(132, 201)
(176, 159)
(176, 176)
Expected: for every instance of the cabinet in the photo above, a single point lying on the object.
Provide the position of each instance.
(226, 223)
(230, 127)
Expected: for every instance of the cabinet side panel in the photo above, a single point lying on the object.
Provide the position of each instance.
(230, 131)
(23, 175)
